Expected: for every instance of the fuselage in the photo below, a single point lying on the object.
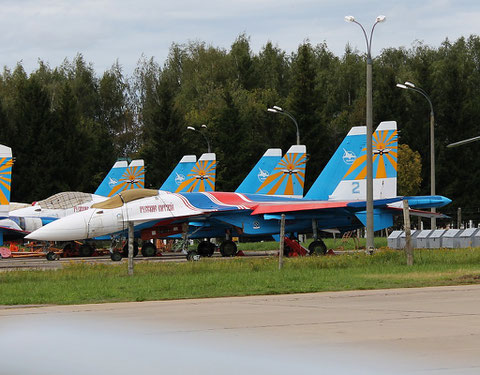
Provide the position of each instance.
(212, 213)
(57, 206)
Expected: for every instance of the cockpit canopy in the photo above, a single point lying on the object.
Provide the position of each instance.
(66, 199)
(125, 197)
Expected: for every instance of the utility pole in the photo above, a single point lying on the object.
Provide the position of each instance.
(130, 247)
(282, 242)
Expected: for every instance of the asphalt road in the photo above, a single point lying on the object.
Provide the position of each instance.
(397, 331)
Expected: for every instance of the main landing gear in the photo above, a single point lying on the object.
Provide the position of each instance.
(149, 249)
(293, 248)
(206, 248)
(228, 248)
(317, 247)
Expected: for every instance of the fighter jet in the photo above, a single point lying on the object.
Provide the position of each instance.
(335, 201)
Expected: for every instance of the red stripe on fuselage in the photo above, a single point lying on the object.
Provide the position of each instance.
(233, 199)
(300, 206)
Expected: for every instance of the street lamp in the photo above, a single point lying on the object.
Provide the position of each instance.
(410, 86)
(277, 109)
(368, 40)
(465, 141)
(202, 133)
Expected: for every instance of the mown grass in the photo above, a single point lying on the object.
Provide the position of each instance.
(335, 244)
(83, 283)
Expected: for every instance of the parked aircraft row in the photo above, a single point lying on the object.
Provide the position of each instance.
(336, 201)
(189, 175)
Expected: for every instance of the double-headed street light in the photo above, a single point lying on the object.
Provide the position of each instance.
(411, 86)
(277, 109)
(202, 133)
(368, 40)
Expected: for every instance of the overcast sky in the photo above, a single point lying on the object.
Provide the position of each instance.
(107, 30)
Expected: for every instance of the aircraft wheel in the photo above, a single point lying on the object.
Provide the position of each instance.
(125, 249)
(205, 248)
(116, 256)
(192, 255)
(149, 249)
(228, 248)
(85, 250)
(212, 248)
(68, 250)
(51, 255)
(317, 247)
(286, 251)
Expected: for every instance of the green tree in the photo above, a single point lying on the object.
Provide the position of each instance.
(163, 132)
(302, 103)
(409, 167)
(33, 163)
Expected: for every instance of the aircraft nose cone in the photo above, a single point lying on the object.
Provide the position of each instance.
(69, 228)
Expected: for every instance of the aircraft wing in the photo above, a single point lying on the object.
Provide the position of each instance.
(318, 205)
(10, 228)
(296, 206)
(7, 230)
(421, 213)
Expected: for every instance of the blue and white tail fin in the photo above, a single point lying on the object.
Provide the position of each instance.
(288, 177)
(6, 163)
(201, 177)
(262, 170)
(179, 173)
(112, 178)
(344, 176)
(132, 178)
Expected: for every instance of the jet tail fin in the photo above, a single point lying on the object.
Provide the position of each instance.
(112, 178)
(202, 175)
(288, 177)
(6, 163)
(344, 176)
(132, 178)
(179, 173)
(260, 171)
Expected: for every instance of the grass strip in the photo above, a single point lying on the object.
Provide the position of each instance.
(209, 277)
(331, 243)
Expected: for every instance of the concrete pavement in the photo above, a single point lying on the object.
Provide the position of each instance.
(395, 331)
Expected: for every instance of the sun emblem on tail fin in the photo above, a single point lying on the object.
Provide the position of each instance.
(281, 181)
(132, 178)
(5, 180)
(201, 177)
(385, 147)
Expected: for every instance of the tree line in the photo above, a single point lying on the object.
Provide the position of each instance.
(68, 124)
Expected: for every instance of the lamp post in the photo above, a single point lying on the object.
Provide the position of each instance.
(202, 133)
(465, 141)
(411, 86)
(368, 40)
(277, 109)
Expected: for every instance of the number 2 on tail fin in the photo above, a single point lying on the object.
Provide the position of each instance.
(355, 187)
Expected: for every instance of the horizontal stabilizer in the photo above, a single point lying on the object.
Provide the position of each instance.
(419, 213)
